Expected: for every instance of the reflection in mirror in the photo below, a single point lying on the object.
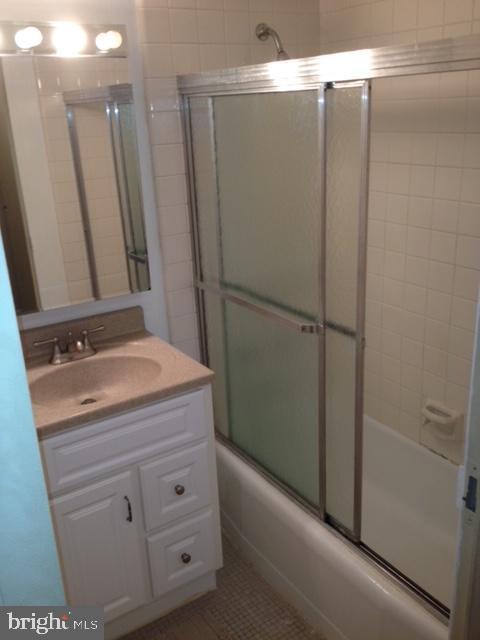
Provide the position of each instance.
(71, 209)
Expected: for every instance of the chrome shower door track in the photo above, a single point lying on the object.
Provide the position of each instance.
(437, 56)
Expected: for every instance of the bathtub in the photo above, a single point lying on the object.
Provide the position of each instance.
(337, 589)
(409, 510)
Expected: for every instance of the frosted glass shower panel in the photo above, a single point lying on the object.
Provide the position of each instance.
(273, 397)
(344, 152)
(340, 426)
(215, 335)
(268, 171)
(343, 112)
(206, 197)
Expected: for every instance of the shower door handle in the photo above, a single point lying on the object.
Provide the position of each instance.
(137, 257)
(290, 320)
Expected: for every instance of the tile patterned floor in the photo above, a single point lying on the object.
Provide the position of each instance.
(244, 607)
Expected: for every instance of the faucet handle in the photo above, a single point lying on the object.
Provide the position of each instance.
(57, 356)
(87, 345)
(101, 327)
(40, 343)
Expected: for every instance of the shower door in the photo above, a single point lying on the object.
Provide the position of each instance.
(257, 176)
(279, 214)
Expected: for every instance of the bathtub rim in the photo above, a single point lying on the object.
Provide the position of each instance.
(407, 586)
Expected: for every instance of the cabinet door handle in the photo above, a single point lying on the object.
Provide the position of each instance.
(179, 489)
(129, 506)
(186, 557)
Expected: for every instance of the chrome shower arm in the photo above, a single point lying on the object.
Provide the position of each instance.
(263, 32)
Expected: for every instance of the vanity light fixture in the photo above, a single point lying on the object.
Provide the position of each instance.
(108, 40)
(69, 39)
(64, 39)
(28, 38)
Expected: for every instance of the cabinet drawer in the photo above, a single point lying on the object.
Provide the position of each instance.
(182, 553)
(175, 485)
(89, 451)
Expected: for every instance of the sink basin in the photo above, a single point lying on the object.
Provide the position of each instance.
(93, 380)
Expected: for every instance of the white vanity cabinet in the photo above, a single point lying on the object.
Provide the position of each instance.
(135, 508)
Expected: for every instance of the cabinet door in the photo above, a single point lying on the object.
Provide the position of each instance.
(100, 544)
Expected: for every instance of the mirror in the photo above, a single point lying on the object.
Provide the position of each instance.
(71, 213)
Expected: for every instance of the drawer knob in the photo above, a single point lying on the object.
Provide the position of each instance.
(186, 557)
(179, 489)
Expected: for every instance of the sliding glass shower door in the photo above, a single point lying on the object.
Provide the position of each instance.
(279, 199)
(257, 168)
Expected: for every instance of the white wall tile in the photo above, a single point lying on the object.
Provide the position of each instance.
(438, 306)
(416, 270)
(440, 276)
(430, 13)
(463, 313)
(183, 26)
(445, 215)
(436, 333)
(447, 183)
(466, 283)
(418, 242)
(468, 252)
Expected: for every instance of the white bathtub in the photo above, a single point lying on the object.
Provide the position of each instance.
(410, 516)
(336, 588)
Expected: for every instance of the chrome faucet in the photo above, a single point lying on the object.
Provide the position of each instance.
(74, 349)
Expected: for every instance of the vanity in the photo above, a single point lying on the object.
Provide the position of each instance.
(127, 443)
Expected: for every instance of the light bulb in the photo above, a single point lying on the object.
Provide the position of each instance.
(69, 39)
(28, 38)
(108, 40)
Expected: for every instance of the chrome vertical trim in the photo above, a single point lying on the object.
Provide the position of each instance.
(361, 302)
(82, 197)
(122, 189)
(322, 418)
(193, 214)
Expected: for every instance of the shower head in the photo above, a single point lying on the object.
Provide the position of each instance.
(263, 32)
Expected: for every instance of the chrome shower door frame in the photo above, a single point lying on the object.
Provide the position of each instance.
(299, 324)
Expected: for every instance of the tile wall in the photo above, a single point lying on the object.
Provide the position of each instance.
(424, 214)
(353, 24)
(183, 36)
(55, 75)
(423, 257)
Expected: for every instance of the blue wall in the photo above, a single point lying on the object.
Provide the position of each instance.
(29, 569)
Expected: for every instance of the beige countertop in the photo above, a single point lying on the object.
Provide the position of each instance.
(155, 370)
